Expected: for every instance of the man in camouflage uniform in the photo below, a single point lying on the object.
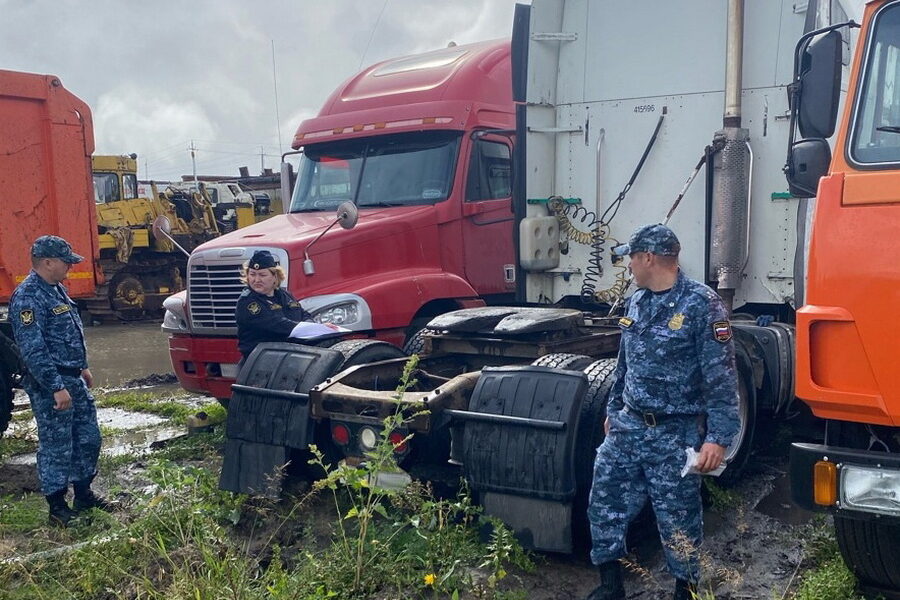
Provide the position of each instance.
(50, 337)
(676, 367)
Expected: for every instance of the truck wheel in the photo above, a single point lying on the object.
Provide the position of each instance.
(869, 547)
(562, 360)
(6, 400)
(415, 342)
(737, 455)
(360, 352)
(590, 436)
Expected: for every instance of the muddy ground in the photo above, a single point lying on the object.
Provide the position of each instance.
(755, 540)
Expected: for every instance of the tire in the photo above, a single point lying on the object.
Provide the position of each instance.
(562, 360)
(869, 547)
(6, 400)
(415, 343)
(739, 451)
(589, 437)
(360, 352)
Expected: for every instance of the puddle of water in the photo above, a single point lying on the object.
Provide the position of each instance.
(118, 418)
(120, 352)
(138, 442)
(777, 503)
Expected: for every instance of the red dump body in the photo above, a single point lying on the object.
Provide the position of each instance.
(46, 142)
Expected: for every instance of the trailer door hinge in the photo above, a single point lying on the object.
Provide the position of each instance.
(554, 37)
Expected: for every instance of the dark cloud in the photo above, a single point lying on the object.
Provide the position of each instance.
(160, 74)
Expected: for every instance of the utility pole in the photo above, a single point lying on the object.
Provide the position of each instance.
(262, 161)
(194, 161)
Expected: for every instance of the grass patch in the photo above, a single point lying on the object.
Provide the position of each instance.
(22, 514)
(11, 445)
(166, 406)
(826, 577)
(22, 415)
(721, 499)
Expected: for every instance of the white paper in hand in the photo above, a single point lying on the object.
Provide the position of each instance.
(307, 330)
(690, 465)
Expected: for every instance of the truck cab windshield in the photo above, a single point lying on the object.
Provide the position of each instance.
(391, 170)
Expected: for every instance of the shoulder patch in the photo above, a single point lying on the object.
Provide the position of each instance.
(294, 305)
(721, 331)
(245, 293)
(253, 308)
(275, 306)
(626, 322)
(62, 308)
(26, 317)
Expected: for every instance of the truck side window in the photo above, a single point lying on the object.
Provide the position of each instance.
(877, 116)
(489, 172)
(106, 188)
(129, 182)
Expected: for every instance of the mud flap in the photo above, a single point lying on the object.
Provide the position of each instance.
(518, 450)
(268, 414)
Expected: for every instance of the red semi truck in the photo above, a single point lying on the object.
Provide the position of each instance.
(422, 145)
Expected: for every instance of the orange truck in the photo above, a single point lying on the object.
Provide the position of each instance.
(848, 336)
(46, 142)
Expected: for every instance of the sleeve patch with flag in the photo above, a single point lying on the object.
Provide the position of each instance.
(722, 331)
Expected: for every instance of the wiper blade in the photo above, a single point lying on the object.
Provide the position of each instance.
(888, 129)
(380, 204)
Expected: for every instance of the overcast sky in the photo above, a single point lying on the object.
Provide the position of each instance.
(160, 73)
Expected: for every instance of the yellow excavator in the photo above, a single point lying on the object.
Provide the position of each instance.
(139, 270)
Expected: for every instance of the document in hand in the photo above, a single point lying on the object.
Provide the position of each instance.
(307, 330)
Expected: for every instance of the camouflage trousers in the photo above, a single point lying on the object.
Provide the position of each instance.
(637, 464)
(68, 440)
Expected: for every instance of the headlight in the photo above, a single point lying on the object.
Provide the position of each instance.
(870, 490)
(175, 319)
(341, 314)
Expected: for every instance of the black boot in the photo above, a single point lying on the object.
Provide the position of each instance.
(60, 513)
(86, 499)
(685, 590)
(611, 586)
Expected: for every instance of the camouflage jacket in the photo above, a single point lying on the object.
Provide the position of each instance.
(677, 357)
(48, 330)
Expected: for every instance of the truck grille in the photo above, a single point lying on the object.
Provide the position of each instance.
(213, 292)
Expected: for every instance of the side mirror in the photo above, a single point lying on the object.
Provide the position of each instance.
(162, 230)
(287, 185)
(347, 215)
(819, 85)
(808, 161)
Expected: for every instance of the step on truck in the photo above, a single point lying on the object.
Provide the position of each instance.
(422, 145)
(612, 132)
(847, 333)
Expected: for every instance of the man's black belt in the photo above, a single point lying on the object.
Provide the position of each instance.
(69, 371)
(653, 419)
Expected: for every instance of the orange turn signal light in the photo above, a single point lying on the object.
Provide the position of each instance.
(825, 483)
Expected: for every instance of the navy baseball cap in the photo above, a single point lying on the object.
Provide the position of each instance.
(655, 239)
(51, 246)
(262, 259)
